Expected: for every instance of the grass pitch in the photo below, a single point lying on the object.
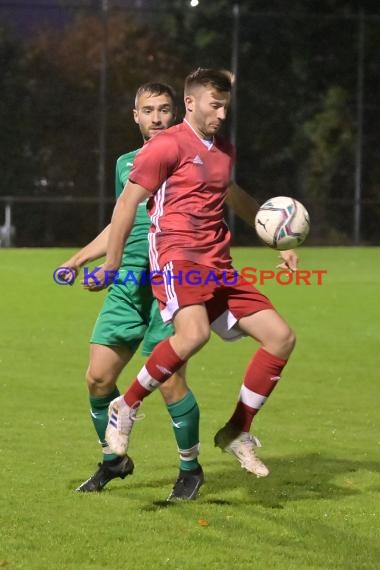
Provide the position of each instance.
(319, 508)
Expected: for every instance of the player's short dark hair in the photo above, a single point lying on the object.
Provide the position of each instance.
(156, 89)
(218, 79)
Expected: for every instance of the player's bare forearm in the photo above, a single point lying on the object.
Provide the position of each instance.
(243, 204)
(96, 249)
(121, 226)
(122, 222)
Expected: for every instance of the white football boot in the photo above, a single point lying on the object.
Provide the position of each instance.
(243, 447)
(120, 422)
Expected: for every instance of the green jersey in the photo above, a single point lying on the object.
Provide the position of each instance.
(130, 314)
(136, 250)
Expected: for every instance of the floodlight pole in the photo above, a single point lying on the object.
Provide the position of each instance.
(234, 69)
(103, 116)
(359, 130)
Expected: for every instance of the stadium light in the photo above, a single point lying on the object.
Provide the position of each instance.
(194, 3)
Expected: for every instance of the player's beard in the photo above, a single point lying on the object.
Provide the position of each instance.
(213, 129)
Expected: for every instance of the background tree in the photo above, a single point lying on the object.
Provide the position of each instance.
(61, 96)
(16, 168)
(298, 66)
(297, 102)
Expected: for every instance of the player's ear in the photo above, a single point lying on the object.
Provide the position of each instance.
(136, 116)
(189, 102)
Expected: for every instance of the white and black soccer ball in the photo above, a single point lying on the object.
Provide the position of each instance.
(282, 223)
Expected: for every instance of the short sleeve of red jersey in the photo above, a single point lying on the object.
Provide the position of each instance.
(155, 162)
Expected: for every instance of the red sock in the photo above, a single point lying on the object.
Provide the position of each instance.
(161, 364)
(261, 377)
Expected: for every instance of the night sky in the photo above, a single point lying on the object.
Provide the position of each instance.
(26, 16)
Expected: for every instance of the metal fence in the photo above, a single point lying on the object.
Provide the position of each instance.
(304, 115)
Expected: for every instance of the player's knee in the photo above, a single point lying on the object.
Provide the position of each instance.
(95, 380)
(287, 340)
(280, 341)
(197, 336)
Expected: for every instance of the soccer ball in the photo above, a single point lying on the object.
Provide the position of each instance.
(282, 223)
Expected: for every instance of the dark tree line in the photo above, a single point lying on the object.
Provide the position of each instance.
(297, 114)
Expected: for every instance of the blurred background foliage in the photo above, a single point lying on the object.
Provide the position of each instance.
(307, 110)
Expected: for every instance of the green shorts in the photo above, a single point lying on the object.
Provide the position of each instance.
(129, 316)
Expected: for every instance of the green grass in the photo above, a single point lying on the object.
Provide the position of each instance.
(319, 508)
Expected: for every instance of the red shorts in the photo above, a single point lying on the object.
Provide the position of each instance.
(225, 294)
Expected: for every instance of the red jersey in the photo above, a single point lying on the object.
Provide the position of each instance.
(189, 183)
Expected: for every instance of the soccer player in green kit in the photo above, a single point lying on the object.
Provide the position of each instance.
(130, 316)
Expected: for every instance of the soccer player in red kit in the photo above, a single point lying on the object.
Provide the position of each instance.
(186, 172)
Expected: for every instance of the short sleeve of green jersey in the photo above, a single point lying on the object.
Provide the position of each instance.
(123, 167)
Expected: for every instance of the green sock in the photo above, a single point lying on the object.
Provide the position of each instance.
(99, 416)
(185, 418)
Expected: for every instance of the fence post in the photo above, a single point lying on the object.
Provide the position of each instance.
(359, 130)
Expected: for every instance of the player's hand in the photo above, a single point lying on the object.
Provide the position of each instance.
(289, 260)
(71, 273)
(99, 279)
